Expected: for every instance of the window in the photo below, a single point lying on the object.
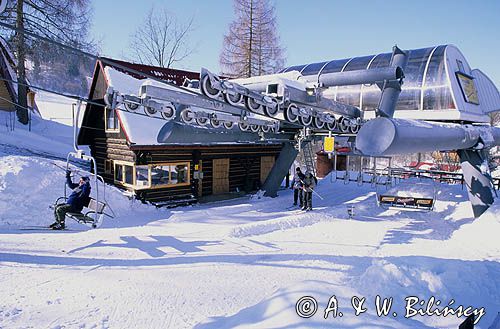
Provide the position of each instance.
(111, 120)
(180, 171)
(170, 174)
(160, 175)
(118, 172)
(129, 175)
(142, 176)
(468, 88)
(124, 173)
(460, 66)
(151, 176)
(108, 166)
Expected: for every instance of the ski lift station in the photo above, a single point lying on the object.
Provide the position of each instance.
(177, 136)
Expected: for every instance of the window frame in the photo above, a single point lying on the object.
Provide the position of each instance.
(174, 164)
(109, 167)
(106, 128)
(149, 166)
(123, 164)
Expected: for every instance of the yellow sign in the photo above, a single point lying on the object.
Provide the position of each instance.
(329, 144)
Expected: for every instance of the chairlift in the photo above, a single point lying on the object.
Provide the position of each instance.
(410, 196)
(94, 214)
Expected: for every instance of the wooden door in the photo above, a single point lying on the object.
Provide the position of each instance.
(220, 176)
(266, 164)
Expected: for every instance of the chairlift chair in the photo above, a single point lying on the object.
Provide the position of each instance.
(94, 215)
(392, 199)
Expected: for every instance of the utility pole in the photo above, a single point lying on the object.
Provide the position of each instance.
(22, 90)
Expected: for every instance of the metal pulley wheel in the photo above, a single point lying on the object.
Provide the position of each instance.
(244, 126)
(150, 111)
(254, 128)
(202, 121)
(131, 107)
(332, 126)
(168, 112)
(252, 105)
(187, 116)
(289, 115)
(215, 123)
(272, 110)
(265, 129)
(305, 120)
(344, 124)
(207, 89)
(234, 99)
(228, 124)
(318, 123)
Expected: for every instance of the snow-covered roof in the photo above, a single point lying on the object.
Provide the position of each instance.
(143, 130)
(139, 129)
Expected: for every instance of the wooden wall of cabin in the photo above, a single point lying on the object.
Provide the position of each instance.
(105, 145)
(244, 167)
(6, 102)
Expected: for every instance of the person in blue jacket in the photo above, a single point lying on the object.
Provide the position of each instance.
(75, 202)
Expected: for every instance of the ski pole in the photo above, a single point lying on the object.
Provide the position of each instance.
(319, 196)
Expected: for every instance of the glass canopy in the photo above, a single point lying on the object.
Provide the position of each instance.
(426, 85)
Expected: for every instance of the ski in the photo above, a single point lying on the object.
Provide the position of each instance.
(40, 228)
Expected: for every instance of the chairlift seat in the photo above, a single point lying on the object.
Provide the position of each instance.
(92, 217)
(416, 196)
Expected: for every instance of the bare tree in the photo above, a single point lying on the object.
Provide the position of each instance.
(65, 21)
(161, 40)
(252, 46)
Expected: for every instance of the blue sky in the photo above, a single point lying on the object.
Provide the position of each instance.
(318, 30)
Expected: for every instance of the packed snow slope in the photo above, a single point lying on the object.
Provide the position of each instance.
(243, 263)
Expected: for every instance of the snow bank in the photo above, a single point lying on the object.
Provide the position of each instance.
(46, 137)
(56, 108)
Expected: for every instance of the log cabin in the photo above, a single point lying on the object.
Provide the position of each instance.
(163, 162)
(8, 94)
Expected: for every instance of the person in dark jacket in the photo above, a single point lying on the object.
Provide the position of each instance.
(75, 202)
(298, 178)
(309, 184)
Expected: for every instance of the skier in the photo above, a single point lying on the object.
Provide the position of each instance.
(75, 202)
(309, 183)
(297, 187)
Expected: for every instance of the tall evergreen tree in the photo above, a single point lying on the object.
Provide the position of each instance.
(252, 45)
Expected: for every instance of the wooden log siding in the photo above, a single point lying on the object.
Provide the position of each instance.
(5, 98)
(110, 147)
(244, 169)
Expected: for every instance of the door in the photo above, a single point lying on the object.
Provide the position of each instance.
(220, 176)
(266, 164)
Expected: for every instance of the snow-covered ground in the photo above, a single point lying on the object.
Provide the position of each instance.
(242, 263)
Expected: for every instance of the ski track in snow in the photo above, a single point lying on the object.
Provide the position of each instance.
(241, 263)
